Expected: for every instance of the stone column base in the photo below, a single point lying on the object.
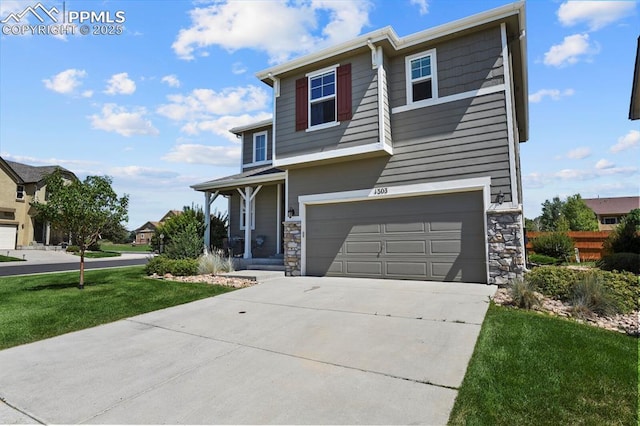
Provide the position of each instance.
(505, 235)
(292, 248)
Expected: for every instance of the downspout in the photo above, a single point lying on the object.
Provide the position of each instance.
(276, 94)
(374, 55)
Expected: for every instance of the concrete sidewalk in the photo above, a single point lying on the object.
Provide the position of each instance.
(57, 256)
(291, 350)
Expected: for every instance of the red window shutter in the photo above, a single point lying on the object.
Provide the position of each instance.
(344, 92)
(302, 110)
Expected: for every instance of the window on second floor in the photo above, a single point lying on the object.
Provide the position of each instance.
(259, 147)
(323, 98)
(20, 192)
(421, 77)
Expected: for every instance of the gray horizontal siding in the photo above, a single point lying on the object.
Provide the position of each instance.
(464, 64)
(457, 140)
(360, 130)
(247, 146)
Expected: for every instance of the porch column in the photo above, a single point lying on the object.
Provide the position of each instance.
(208, 199)
(279, 219)
(47, 236)
(248, 195)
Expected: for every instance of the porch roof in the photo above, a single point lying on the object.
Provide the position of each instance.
(259, 175)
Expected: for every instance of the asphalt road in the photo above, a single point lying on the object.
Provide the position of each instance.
(23, 268)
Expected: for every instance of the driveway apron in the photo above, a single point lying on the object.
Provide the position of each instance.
(299, 350)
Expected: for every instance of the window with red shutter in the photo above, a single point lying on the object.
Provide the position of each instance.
(301, 104)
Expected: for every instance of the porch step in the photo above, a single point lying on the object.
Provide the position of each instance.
(265, 267)
(255, 275)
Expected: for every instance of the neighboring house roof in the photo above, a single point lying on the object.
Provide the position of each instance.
(148, 226)
(634, 107)
(512, 14)
(258, 175)
(169, 214)
(616, 205)
(33, 174)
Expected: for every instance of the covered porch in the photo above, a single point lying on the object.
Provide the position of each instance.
(256, 210)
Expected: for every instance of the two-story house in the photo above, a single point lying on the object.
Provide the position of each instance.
(20, 184)
(391, 157)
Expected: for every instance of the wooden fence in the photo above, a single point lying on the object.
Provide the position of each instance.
(588, 243)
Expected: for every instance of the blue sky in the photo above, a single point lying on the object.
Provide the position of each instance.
(151, 106)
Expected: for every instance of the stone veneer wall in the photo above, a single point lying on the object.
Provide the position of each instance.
(506, 246)
(292, 248)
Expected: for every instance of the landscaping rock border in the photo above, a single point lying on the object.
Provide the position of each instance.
(209, 279)
(628, 323)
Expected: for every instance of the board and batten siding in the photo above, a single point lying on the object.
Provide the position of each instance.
(362, 129)
(266, 213)
(247, 147)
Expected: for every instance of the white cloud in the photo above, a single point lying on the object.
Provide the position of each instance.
(280, 29)
(202, 103)
(423, 6)
(221, 125)
(587, 174)
(553, 94)
(238, 68)
(87, 94)
(66, 81)
(579, 153)
(120, 84)
(141, 172)
(171, 80)
(126, 123)
(604, 164)
(596, 14)
(569, 51)
(628, 141)
(204, 154)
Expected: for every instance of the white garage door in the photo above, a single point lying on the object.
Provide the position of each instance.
(7, 237)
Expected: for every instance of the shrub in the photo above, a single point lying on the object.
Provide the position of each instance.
(542, 259)
(163, 265)
(186, 243)
(629, 262)
(73, 249)
(523, 294)
(625, 237)
(555, 244)
(553, 281)
(557, 282)
(214, 263)
(590, 295)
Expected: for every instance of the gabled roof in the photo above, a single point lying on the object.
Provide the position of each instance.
(253, 126)
(33, 174)
(148, 225)
(513, 15)
(259, 175)
(615, 205)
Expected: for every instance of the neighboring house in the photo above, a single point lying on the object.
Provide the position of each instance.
(610, 211)
(21, 184)
(146, 231)
(634, 107)
(391, 157)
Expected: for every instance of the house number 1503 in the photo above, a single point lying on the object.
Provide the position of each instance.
(380, 191)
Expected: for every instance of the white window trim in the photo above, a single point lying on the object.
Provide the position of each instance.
(242, 214)
(334, 122)
(266, 147)
(434, 76)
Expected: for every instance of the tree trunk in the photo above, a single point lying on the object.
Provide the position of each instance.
(81, 285)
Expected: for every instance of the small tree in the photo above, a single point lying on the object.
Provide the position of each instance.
(182, 230)
(551, 212)
(579, 215)
(625, 237)
(82, 209)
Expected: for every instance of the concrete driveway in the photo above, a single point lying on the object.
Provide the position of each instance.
(291, 350)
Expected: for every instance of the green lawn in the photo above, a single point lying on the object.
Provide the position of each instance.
(532, 369)
(99, 254)
(40, 306)
(107, 246)
(9, 259)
